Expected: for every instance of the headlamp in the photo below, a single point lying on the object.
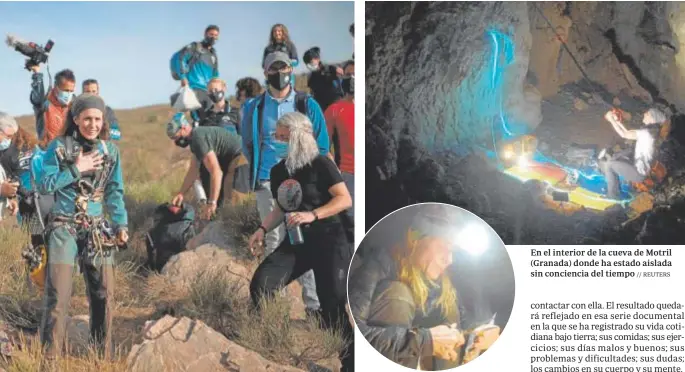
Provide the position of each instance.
(474, 238)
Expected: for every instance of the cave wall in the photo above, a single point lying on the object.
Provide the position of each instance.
(427, 61)
(428, 74)
(631, 48)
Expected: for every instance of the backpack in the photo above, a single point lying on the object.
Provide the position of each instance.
(169, 234)
(175, 62)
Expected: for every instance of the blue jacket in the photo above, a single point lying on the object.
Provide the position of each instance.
(62, 179)
(252, 143)
(199, 65)
(114, 130)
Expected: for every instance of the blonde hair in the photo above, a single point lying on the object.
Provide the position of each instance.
(218, 80)
(410, 274)
(302, 147)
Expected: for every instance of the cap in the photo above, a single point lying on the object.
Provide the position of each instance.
(87, 101)
(177, 122)
(275, 57)
(435, 220)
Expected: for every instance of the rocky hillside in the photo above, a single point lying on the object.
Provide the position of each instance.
(196, 313)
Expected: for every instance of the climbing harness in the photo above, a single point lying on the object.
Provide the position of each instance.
(99, 237)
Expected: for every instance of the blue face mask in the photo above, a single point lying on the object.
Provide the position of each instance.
(5, 144)
(64, 97)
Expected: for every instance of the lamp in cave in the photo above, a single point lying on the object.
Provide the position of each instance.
(473, 238)
(518, 151)
(523, 161)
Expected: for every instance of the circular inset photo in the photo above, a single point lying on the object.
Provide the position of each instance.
(431, 286)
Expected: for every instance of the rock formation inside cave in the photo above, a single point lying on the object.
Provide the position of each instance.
(445, 80)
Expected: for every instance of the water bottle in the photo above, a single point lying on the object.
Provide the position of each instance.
(294, 232)
(199, 192)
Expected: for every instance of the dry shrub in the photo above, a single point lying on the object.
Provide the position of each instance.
(30, 358)
(213, 297)
(241, 221)
(19, 301)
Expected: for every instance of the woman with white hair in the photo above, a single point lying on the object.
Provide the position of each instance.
(311, 196)
(645, 148)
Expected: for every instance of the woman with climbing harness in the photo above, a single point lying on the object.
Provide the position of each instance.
(645, 148)
(82, 169)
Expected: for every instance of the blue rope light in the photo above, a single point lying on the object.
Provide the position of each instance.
(589, 180)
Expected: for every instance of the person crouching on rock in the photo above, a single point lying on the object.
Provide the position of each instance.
(645, 150)
(215, 149)
(82, 169)
(310, 197)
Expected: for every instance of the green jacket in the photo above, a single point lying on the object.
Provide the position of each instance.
(62, 180)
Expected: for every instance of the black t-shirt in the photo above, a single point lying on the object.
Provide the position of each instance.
(224, 118)
(325, 86)
(308, 188)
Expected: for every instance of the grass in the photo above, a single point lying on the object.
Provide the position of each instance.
(153, 171)
(216, 299)
(30, 358)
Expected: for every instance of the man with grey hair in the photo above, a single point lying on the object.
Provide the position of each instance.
(263, 150)
(310, 197)
(8, 188)
(645, 149)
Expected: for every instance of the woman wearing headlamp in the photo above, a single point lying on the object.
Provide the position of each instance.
(413, 317)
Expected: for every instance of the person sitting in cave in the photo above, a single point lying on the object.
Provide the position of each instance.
(644, 155)
(413, 317)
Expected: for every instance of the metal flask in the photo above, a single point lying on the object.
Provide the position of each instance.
(294, 232)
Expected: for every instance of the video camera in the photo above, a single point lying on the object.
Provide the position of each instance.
(36, 54)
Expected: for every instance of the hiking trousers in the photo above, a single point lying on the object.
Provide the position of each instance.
(327, 252)
(64, 250)
(265, 204)
(612, 169)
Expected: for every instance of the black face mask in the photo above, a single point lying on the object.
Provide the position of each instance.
(348, 85)
(216, 96)
(209, 41)
(279, 81)
(182, 142)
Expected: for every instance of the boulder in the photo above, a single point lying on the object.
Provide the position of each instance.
(7, 340)
(78, 332)
(213, 233)
(579, 104)
(185, 266)
(179, 345)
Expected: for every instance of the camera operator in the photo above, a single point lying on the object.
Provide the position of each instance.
(324, 80)
(51, 109)
(92, 86)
